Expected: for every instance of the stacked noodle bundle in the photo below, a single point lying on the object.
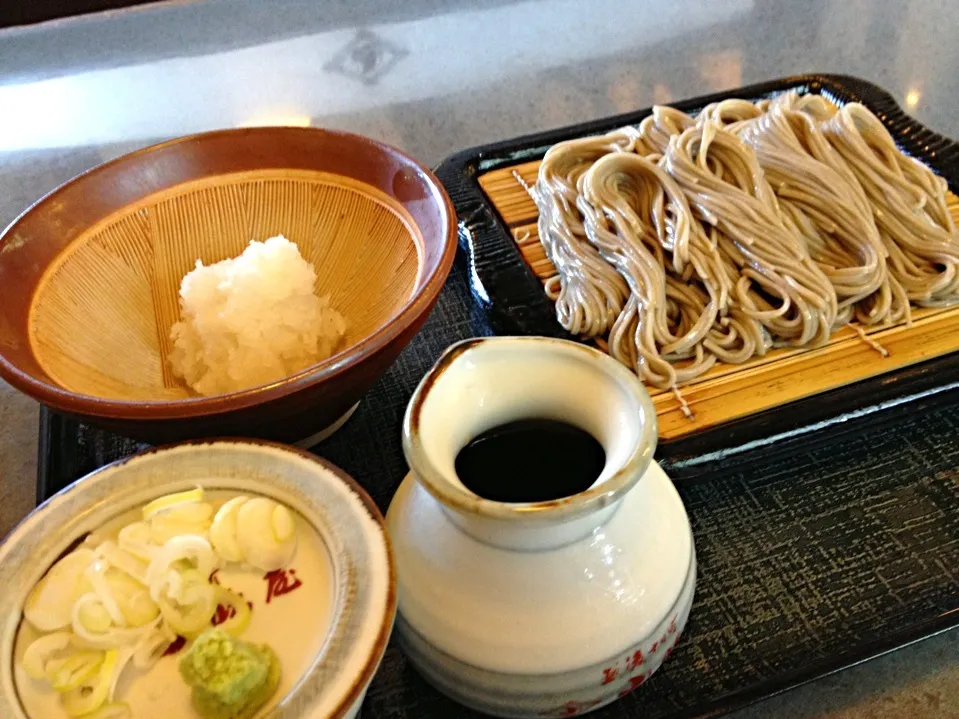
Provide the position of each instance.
(696, 240)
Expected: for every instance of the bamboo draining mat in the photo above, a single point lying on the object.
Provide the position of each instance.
(728, 392)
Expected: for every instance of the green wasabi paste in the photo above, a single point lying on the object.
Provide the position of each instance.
(231, 679)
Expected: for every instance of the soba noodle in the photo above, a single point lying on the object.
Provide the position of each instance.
(908, 203)
(591, 295)
(689, 241)
(779, 283)
(638, 220)
(823, 207)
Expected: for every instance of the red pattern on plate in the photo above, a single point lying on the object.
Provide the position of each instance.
(278, 583)
(634, 683)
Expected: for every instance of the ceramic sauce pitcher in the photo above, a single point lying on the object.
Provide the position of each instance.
(549, 608)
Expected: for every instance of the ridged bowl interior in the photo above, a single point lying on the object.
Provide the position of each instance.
(100, 317)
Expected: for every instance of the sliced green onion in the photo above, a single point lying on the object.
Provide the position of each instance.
(191, 613)
(151, 647)
(162, 504)
(41, 650)
(162, 530)
(135, 539)
(223, 530)
(70, 673)
(257, 535)
(132, 597)
(96, 574)
(49, 604)
(283, 525)
(92, 693)
(93, 615)
(124, 655)
(139, 608)
(122, 560)
(240, 620)
(113, 637)
(190, 549)
(197, 513)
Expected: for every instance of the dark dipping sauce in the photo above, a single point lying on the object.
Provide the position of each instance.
(530, 460)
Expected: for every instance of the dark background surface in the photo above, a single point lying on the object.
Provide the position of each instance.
(27, 12)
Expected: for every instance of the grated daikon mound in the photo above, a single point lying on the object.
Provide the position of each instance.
(252, 320)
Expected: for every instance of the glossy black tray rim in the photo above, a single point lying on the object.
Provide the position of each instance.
(863, 653)
(513, 299)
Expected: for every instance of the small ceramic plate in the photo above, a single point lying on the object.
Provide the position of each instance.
(328, 616)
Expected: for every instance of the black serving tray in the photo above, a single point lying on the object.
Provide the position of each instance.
(815, 553)
(512, 296)
(806, 566)
(822, 547)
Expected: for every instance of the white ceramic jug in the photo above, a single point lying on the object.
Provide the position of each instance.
(541, 609)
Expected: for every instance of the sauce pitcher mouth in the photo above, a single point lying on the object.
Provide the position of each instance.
(482, 383)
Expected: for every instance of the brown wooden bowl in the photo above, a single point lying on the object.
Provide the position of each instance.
(89, 276)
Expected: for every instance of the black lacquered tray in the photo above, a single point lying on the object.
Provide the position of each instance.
(813, 555)
(508, 289)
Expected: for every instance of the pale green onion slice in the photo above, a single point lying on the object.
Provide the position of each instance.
(136, 540)
(240, 620)
(259, 527)
(91, 694)
(96, 574)
(49, 604)
(168, 585)
(84, 611)
(189, 550)
(283, 525)
(124, 655)
(162, 530)
(41, 650)
(69, 673)
(197, 513)
(169, 501)
(92, 615)
(151, 647)
(223, 530)
(123, 560)
(191, 613)
(133, 599)
(194, 518)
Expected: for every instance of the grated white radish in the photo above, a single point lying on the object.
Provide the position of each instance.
(252, 320)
